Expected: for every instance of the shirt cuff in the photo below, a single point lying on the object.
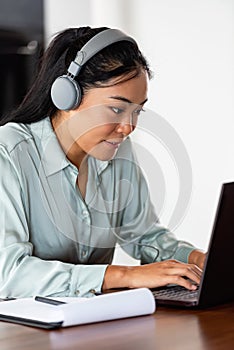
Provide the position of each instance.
(86, 280)
(182, 253)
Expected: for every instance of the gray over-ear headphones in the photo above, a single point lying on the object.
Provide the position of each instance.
(65, 91)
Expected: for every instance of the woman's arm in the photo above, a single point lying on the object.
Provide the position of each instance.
(165, 258)
(21, 273)
(152, 275)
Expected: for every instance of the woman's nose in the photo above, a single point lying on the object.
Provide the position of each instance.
(126, 126)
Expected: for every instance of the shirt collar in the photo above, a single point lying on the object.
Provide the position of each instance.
(100, 165)
(53, 157)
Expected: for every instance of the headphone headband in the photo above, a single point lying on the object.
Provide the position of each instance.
(65, 91)
(99, 42)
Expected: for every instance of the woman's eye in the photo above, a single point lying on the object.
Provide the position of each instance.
(117, 110)
(139, 111)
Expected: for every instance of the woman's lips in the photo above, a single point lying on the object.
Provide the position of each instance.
(113, 144)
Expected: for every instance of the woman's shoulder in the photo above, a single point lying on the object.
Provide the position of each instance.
(12, 134)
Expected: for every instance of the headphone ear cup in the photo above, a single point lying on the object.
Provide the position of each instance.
(66, 93)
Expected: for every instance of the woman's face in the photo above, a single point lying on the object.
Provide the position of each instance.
(106, 116)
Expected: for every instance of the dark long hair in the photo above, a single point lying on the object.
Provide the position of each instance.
(121, 59)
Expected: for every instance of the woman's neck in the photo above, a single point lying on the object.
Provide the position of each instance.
(70, 147)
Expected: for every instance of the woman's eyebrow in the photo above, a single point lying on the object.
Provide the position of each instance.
(124, 99)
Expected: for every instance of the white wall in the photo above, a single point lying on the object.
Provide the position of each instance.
(61, 14)
(190, 46)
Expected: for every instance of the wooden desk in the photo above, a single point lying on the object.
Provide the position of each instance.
(167, 329)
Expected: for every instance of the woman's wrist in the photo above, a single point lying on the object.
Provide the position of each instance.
(197, 257)
(116, 277)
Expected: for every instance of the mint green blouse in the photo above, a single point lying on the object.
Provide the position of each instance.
(54, 243)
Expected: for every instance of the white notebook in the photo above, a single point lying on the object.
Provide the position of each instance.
(77, 311)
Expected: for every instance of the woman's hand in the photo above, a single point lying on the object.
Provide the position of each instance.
(153, 275)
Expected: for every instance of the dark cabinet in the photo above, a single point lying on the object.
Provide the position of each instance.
(21, 44)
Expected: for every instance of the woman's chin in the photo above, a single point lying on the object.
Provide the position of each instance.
(103, 153)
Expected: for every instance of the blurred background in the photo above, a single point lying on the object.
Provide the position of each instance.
(190, 47)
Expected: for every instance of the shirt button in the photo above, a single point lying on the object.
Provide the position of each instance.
(85, 213)
(84, 252)
(93, 291)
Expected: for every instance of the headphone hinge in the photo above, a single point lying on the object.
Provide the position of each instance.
(74, 69)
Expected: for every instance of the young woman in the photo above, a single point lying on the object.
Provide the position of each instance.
(70, 184)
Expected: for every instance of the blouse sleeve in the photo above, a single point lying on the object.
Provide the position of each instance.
(21, 273)
(141, 235)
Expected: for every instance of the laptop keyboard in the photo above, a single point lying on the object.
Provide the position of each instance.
(175, 293)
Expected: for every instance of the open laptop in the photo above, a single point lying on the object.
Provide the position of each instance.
(217, 286)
